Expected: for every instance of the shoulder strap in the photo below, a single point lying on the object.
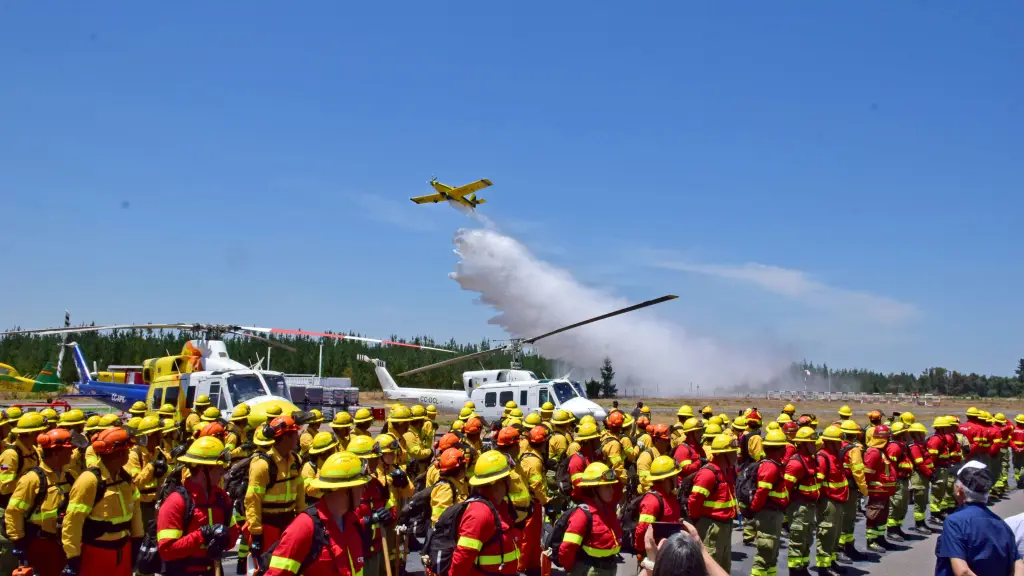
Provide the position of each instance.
(190, 506)
(41, 494)
(525, 454)
(101, 486)
(661, 502)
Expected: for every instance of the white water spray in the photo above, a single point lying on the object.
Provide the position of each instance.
(533, 297)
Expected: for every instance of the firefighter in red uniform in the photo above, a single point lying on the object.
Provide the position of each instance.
(484, 546)
(332, 522)
(977, 436)
(921, 478)
(954, 457)
(660, 503)
(193, 545)
(587, 438)
(689, 454)
(712, 503)
(769, 502)
(939, 453)
(375, 496)
(881, 477)
(801, 476)
(1017, 447)
(591, 543)
(790, 429)
(835, 490)
(899, 454)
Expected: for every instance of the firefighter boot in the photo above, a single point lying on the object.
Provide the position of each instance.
(921, 528)
(892, 533)
(875, 546)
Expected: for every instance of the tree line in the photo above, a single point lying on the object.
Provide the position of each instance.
(28, 354)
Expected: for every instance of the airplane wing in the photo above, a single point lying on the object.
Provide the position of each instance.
(428, 199)
(470, 188)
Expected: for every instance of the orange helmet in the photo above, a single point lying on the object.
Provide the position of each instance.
(643, 422)
(649, 429)
(538, 435)
(278, 426)
(451, 459)
(804, 420)
(447, 441)
(215, 429)
(874, 415)
(508, 436)
(660, 431)
(56, 438)
(473, 426)
(112, 440)
(614, 420)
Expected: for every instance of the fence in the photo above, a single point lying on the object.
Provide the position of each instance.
(863, 398)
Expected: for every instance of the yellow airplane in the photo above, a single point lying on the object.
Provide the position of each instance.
(465, 195)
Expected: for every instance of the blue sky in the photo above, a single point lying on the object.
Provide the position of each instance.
(841, 182)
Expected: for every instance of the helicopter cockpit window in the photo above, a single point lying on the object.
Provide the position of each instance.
(171, 396)
(276, 385)
(564, 392)
(214, 394)
(157, 399)
(503, 376)
(223, 404)
(190, 396)
(245, 387)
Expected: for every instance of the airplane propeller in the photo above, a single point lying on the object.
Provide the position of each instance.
(515, 345)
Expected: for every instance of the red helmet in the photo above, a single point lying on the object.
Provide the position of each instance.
(278, 426)
(804, 421)
(447, 441)
(614, 420)
(508, 436)
(112, 440)
(538, 435)
(882, 431)
(451, 459)
(215, 429)
(790, 427)
(473, 426)
(754, 416)
(56, 438)
(660, 431)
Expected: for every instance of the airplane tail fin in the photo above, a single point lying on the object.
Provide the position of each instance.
(387, 383)
(48, 375)
(477, 201)
(80, 365)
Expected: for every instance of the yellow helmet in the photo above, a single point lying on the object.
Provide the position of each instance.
(627, 421)
(940, 422)
(685, 410)
(342, 420)
(431, 410)
(363, 415)
(1000, 418)
(490, 467)
(30, 422)
(206, 451)
(418, 412)
(707, 411)
(202, 402)
(51, 415)
(167, 425)
(740, 423)
(168, 410)
(211, 414)
(850, 427)
(138, 409)
(986, 416)
(806, 434)
(317, 417)
(645, 410)
(898, 428)
(73, 417)
(457, 425)
(109, 421)
(563, 417)
(974, 412)
(833, 432)
(586, 431)
(92, 423)
(149, 425)
(400, 414)
(663, 467)
(712, 430)
(465, 414)
(918, 427)
(341, 470)
(515, 413)
(533, 419)
(691, 424)
(774, 426)
(775, 437)
(789, 410)
(907, 418)
(260, 440)
(133, 422)
(588, 418)
(322, 442)
(13, 413)
(510, 405)
(362, 446)
(273, 411)
(597, 474)
(469, 404)
(386, 443)
(547, 407)
(240, 413)
(1019, 419)
(783, 418)
(845, 411)
(724, 443)
(716, 420)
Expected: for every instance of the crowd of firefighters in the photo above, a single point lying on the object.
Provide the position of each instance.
(79, 494)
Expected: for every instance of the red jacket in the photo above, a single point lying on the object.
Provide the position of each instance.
(688, 458)
(975, 434)
(832, 476)
(953, 451)
(578, 462)
(1017, 438)
(478, 547)
(790, 452)
(938, 450)
(600, 540)
(880, 474)
(771, 486)
(802, 478)
(343, 555)
(651, 510)
(899, 454)
(178, 540)
(921, 459)
(375, 495)
(713, 494)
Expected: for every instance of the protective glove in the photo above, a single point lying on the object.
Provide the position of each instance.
(398, 478)
(256, 549)
(382, 516)
(210, 533)
(248, 446)
(159, 468)
(18, 550)
(218, 541)
(72, 567)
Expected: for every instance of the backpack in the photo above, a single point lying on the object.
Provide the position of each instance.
(629, 517)
(236, 481)
(44, 486)
(320, 539)
(562, 475)
(746, 484)
(608, 440)
(416, 511)
(149, 560)
(443, 537)
(551, 541)
(633, 476)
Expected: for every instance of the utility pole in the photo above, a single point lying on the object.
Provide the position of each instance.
(320, 365)
(268, 357)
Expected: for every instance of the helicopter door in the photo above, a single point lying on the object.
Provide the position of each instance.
(530, 400)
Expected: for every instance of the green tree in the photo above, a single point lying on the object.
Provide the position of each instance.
(593, 388)
(1020, 370)
(608, 388)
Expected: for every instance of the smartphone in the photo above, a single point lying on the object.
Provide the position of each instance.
(663, 530)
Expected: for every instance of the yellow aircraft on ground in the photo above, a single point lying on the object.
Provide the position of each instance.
(464, 195)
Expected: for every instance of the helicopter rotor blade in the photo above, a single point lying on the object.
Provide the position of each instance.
(603, 317)
(75, 330)
(262, 339)
(450, 361)
(341, 337)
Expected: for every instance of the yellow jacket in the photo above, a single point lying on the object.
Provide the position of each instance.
(356, 431)
(855, 468)
(45, 517)
(645, 438)
(678, 436)
(643, 468)
(441, 497)
(427, 432)
(518, 492)
(414, 448)
(308, 474)
(77, 464)
(190, 422)
(755, 447)
(558, 443)
(611, 448)
(433, 475)
(91, 459)
(117, 515)
(397, 495)
(306, 439)
(9, 470)
(285, 496)
(234, 439)
(140, 467)
(533, 470)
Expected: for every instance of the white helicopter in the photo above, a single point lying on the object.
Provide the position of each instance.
(490, 390)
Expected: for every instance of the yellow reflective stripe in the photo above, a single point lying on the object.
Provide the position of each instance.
(580, 475)
(467, 542)
(44, 515)
(765, 485)
(858, 466)
(809, 488)
(599, 553)
(438, 510)
(685, 463)
(573, 538)
(702, 490)
(643, 473)
(306, 482)
(253, 489)
(536, 478)
(287, 564)
(790, 478)
(83, 508)
(842, 484)
(278, 497)
(17, 503)
(615, 459)
(729, 504)
(647, 519)
(7, 477)
(779, 494)
(495, 559)
(918, 460)
(869, 471)
(168, 534)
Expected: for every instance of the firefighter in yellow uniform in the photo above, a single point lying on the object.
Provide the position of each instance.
(236, 437)
(547, 410)
(148, 466)
(14, 461)
(202, 403)
(51, 417)
(419, 420)
(103, 515)
(362, 421)
(392, 475)
(322, 447)
(678, 436)
(312, 429)
(430, 424)
(342, 428)
(531, 462)
(611, 446)
(417, 456)
(451, 467)
(74, 422)
(519, 493)
(8, 418)
(269, 509)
